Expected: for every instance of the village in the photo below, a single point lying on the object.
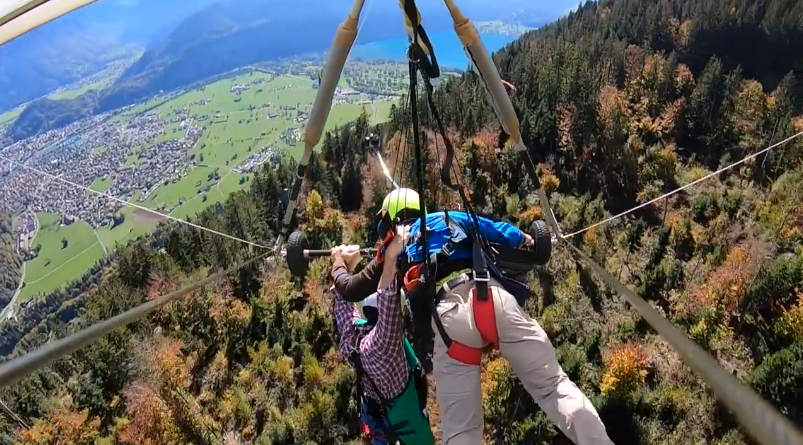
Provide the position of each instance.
(133, 158)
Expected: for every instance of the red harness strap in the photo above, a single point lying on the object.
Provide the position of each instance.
(485, 319)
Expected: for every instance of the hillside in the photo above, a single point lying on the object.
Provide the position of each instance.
(218, 38)
(44, 114)
(81, 44)
(10, 260)
(139, 21)
(614, 122)
(54, 56)
(230, 34)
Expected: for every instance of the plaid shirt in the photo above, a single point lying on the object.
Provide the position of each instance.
(381, 350)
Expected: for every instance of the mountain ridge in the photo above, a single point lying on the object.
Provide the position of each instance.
(80, 44)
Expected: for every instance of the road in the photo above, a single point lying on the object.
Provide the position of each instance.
(65, 263)
(105, 252)
(8, 311)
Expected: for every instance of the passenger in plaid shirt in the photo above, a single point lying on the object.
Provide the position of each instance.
(378, 342)
(381, 348)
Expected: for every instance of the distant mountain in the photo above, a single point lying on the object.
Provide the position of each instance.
(44, 114)
(229, 34)
(139, 21)
(233, 33)
(224, 35)
(83, 43)
(51, 57)
(523, 12)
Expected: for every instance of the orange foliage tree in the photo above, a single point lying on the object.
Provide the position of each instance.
(716, 300)
(66, 427)
(151, 422)
(625, 369)
(790, 323)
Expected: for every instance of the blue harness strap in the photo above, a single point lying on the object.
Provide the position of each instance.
(459, 238)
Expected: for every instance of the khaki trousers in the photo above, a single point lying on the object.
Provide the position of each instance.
(524, 344)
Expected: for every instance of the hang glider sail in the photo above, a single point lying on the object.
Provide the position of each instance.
(21, 16)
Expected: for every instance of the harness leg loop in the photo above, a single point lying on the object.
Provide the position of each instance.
(485, 317)
(485, 320)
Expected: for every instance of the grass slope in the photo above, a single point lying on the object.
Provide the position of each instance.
(57, 265)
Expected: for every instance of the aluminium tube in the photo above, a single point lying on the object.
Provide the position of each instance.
(335, 60)
(503, 107)
(408, 23)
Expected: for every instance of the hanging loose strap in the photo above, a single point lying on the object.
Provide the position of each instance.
(362, 376)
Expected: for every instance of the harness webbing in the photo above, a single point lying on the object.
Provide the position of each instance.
(418, 62)
(414, 55)
(479, 253)
(398, 414)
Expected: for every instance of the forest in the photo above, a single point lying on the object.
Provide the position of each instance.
(621, 102)
(10, 260)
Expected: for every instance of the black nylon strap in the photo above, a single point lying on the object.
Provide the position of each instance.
(479, 262)
(439, 324)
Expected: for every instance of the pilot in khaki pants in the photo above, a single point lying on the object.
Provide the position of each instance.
(524, 344)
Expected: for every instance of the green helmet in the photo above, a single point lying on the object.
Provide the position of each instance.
(400, 199)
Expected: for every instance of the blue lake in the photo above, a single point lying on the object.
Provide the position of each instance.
(447, 46)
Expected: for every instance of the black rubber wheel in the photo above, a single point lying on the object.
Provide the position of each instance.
(543, 241)
(296, 262)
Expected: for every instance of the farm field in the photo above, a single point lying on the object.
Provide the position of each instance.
(55, 262)
(101, 184)
(55, 266)
(240, 116)
(236, 127)
(75, 92)
(136, 223)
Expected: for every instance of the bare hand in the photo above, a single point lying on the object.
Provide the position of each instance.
(528, 240)
(398, 243)
(351, 256)
(337, 252)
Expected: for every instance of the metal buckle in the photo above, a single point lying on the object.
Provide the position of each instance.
(448, 249)
(454, 282)
(484, 277)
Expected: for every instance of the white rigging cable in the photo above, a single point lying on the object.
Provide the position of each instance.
(386, 171)
(14, 415)
(131, 204)
(680, 189)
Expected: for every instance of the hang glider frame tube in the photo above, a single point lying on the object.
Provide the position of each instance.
(503, 107)
(333, 68)
(409, 26)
